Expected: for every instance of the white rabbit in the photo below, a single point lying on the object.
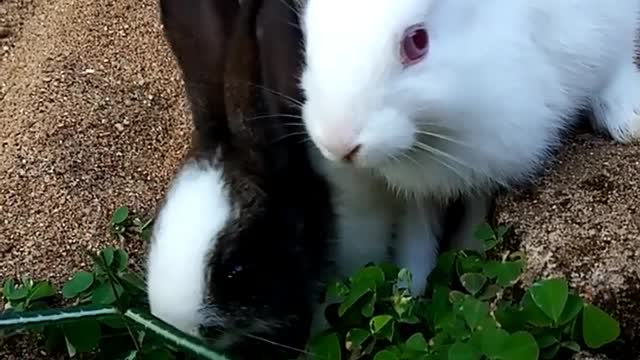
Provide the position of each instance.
(438, 99)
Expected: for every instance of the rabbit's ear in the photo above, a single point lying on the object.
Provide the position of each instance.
(280, 42)
(198, 33)
(242, 75)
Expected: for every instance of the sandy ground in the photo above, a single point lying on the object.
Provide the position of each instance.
(582, 221)
(92, 117)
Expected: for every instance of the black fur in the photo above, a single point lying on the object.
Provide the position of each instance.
(269, 262)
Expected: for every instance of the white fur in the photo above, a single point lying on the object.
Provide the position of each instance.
(185, 232)
(501, 78)
(500, 81)
(417, 246)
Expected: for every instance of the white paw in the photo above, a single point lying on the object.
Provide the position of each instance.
(418, 285)
(631, 134)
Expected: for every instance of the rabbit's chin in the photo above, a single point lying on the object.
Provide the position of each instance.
(424, 177)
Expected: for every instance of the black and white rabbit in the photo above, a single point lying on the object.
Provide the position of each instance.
(240, 244)
(427, 100)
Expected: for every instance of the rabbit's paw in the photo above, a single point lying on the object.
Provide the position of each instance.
(617, 110)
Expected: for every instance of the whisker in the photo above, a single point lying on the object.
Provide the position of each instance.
(444, 154)
(294, 102)
(274, 343)
(292, 8)
(307, 140)
(293, 116)
(294, 25)
(291, 135)
(443, 137)
(207, 84)
(448, 166)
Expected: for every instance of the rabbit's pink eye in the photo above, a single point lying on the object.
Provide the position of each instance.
(415, 43)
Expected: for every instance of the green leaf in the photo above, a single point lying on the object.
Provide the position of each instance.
(389, 270)
(403, 305)
(120, 215)
(551, 296)
(473, 282)
(469, 263)
(357, 291)
(440, 305)
(134, 280)
(532, 312)
(371, 275)
(474, 311)
(336, 292)
(550, 352)
(546, 340)
(463, 351)
(326, 346)
(83, 335)
(598, 328)
(571, 345)
(81, 281)
(120, 260)
(446, 261)
(41, 290)
(385, 355)
(490, 292)
(104, 294)
(519, 346)
(457, 297)
(7, 286)
(378, 323)
(364, 282)
(405, 278)
(356, 337)
(107, 255)
(505, 273)
(502, 230)
(492, 341)
(484, 232)
(17, 293)
(146, 234)
(417, 343)
(369, 306)
(572, 309)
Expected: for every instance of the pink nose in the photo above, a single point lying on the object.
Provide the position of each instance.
(339, 141)
(344, 152)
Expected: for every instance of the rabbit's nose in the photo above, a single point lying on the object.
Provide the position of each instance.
(352, 154)
(336, 150)
(338, 142)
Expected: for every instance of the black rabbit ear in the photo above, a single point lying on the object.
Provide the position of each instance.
(280, 41)
(280, 44)
(198, 33)
(242, 76)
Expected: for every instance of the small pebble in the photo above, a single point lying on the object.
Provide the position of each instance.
(4, 32)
